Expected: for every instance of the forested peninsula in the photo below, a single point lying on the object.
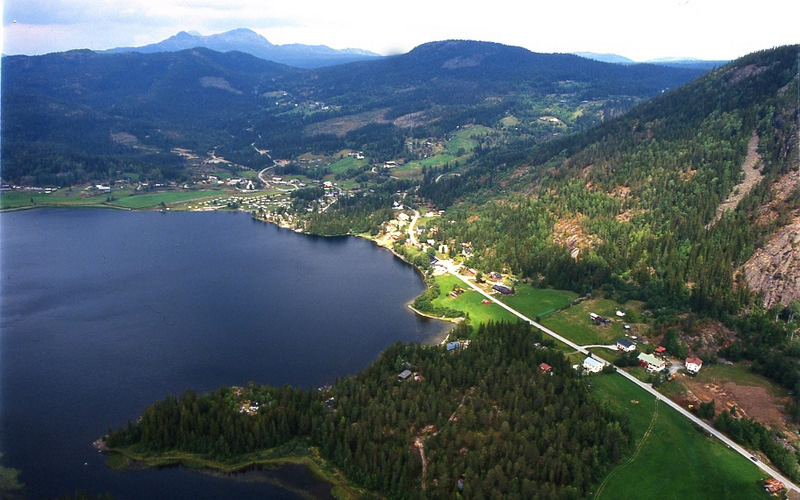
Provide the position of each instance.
(421, 421)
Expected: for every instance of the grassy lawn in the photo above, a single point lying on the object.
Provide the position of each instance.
(574, 322)
(675, 460)
(469, 302)
(534, 302)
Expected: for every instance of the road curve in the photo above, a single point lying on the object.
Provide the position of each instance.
(412, 235)
(647, 387)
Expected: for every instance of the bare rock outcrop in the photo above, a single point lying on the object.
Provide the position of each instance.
(774, 270)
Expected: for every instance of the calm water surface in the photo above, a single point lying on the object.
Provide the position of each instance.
(104, 312)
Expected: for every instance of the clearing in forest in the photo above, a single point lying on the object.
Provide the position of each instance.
(752, 174)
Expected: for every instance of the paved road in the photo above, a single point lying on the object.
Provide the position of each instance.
(647, 387)
(412, 235)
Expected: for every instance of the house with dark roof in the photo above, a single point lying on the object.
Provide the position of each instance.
(625, 345)
(502, 289)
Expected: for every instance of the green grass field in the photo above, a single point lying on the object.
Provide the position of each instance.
(469, 302)
(168, 197)
(574, 323)
(341, 166)
(674, 460)
(13, 199)
(541, 302)
(121, 199)
(463, 139)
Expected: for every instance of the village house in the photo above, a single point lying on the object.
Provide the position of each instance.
(625, 345)
(591, 365)
(453, 345)
(661, 350)
(651, 363)
(546, 368)
(404, 375)
(502, 289)
(693, 365)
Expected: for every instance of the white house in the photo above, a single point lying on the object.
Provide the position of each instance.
(591, 365)
(625, 345)
(693, 365)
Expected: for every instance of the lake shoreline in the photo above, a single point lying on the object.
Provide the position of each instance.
(126, 460)
(440, 339)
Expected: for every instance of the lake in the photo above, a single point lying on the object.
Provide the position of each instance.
(104, 312)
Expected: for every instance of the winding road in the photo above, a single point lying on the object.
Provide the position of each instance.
(412, 235)
(647, 387)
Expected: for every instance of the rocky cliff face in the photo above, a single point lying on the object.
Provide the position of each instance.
(774, 269)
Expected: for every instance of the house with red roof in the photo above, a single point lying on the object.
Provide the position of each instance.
(693, 365)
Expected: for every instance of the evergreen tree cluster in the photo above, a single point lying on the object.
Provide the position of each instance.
(754, 435)
(490, 420)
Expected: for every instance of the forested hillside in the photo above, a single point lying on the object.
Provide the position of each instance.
(479, 421)
(79, 116)
(632, 203)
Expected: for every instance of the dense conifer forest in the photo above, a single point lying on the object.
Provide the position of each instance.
(490, 420)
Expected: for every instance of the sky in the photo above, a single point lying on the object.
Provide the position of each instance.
(637, 29)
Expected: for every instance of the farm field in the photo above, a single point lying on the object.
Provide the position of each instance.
(672, 459)
(541, 302)
(574, 322)
(470, 302)
(118, 199)
(168, 197)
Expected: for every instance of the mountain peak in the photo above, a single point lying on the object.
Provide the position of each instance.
(250, 42)
(242, 35)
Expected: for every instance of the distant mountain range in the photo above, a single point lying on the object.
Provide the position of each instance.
(72, 116)
(250, 42)
(677, 62)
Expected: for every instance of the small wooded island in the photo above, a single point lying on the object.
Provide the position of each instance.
(477, 421)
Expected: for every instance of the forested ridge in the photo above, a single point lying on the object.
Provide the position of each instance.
(490, 420)
(81, 116)
(642, 189)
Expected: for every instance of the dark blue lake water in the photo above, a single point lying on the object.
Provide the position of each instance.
(104, 312)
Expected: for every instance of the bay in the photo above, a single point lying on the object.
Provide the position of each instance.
(104, 312)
